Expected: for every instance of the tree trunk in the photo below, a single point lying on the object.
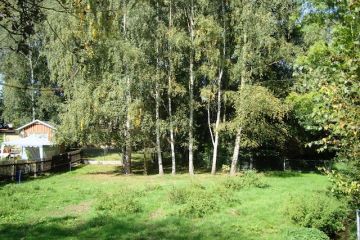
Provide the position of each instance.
(236, 152)
(128, 140)
(216, 132)
(32, 81)
(242, 85)
(158, 144)
(145, 162)
(157, 96)
(218, 112)
(191, 91)
(172, 140)
(123, 151)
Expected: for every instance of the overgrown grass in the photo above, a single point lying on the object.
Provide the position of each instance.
(97, 202)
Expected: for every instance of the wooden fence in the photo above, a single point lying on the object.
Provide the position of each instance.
(15, 170)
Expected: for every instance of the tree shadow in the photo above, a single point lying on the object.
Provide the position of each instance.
(111, 227)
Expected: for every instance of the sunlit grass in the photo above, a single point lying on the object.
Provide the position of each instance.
(66, 206)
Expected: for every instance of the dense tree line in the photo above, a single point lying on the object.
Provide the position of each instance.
(206, 81)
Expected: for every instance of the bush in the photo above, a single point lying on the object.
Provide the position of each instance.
(305, 234)
(225, 168)
(245, 180)
(122, 203)
(179, 195)
(198, 201)
(321, 212)
(199, 204)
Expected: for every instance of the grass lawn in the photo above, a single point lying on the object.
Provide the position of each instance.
(98, 154)
(95, 202)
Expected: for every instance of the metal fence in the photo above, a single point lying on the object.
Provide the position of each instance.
(306, 165)
(15, 170)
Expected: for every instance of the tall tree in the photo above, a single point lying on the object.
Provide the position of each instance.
(260, 42)
(328, 76)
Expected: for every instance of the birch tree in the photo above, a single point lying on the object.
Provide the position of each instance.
(260, 42)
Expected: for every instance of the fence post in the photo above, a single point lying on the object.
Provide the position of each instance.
(19, 176)
(69, 158)
(13, 171)
(42, 165)
(358, 223)
(35, 169)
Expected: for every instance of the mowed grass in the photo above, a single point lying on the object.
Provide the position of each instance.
(75, 205)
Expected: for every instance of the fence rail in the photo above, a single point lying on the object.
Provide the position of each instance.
(15, 170)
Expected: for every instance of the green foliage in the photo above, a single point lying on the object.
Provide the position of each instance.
(346, 184)
(123, 203)
(323, 213)
(260, 114)
(247, 179)
(305, 234)
(199, 201)
(328, 77)
(225, 168)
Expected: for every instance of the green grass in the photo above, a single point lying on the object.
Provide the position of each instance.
(98, 154)
(96, 202)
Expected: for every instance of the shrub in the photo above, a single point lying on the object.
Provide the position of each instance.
(246, 180)
(225, 168)
(305, 234)
(198, 201)
(178, 195)
(321, 212)
(199, 204)
(124, 202)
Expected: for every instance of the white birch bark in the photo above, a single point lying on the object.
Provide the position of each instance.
(172, 140)
(218, 111)
(128, 140)
(242, 85)
(157, 99)
(191, 91)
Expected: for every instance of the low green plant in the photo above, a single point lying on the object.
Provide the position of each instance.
(305, 234)
(320, 212)
(178, 195)
(245, 180)
(155, 187)
(198, 201)
(199, 204)
(122, 203)
(225, 168)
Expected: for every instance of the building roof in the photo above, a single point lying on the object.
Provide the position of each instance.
(34, 122)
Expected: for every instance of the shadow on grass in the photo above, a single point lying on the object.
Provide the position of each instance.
(283, 174)
(107, 227)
